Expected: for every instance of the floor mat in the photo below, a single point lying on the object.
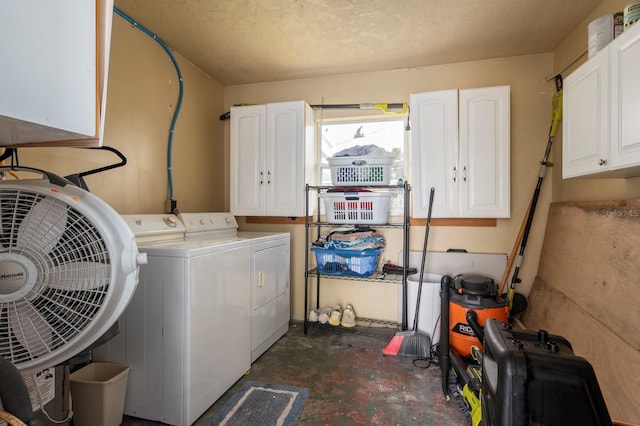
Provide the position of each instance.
(259, 403)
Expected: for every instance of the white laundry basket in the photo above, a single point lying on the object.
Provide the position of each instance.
(359, 171)
(357, 207)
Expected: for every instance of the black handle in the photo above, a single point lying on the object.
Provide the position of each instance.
(443, 358)
(123, 161)
(51, 177)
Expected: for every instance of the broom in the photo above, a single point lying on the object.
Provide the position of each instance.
(414, 343)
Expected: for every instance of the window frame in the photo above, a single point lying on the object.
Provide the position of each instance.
(322, 168)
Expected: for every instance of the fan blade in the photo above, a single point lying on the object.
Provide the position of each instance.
(43, 225)
(82, 275)
(31, 329)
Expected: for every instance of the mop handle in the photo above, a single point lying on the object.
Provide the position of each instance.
(424, 256)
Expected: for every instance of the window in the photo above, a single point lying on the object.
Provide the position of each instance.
(388, 134)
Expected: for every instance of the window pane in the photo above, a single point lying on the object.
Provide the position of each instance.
(385, 134)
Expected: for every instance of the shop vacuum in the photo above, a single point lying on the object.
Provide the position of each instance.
(519, 377)
(472, 300)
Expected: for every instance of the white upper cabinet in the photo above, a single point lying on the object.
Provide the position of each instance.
(272, 158)
(54, 62)
(601, 119)
(625, 101)
(585, 116)
(434, 152)
(460, 145)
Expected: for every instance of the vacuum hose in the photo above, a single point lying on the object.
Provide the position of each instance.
(443, 358)
(472, 320)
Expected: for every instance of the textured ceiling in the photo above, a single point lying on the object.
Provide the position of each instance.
(248, 41)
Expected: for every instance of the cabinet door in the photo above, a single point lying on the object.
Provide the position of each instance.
(434, 152)
(585, 116)
(285, 158)
(484, 166)
(625, 101)
(54, 65)
(248, 146)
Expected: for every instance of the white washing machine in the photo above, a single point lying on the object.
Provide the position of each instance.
(189, 333)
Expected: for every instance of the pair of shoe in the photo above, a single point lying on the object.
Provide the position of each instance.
(348, 317)
(334, 316)
(313, 315)
(320, 315)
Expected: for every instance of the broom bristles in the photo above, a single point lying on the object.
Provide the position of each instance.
(393, 347)
(409, 343)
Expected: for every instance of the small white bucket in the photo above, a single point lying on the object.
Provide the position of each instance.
(429, 304)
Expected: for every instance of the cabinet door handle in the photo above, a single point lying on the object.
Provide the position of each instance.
(261, 178)
(455, 173)
(268, 178)
(464, 174)
(602, 162)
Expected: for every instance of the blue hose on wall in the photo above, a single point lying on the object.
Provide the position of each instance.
(174, 208)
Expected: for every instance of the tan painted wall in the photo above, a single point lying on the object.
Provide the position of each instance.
(581, 189)
(142, 94)
(530, 115)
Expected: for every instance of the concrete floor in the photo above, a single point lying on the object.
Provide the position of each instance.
(350, 381)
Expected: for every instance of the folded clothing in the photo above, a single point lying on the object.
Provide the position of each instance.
(352, 239)
(364, 151)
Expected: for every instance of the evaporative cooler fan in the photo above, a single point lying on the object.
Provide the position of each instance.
(68, 268)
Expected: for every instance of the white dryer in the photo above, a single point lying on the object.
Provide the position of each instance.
(270, 274)
(187, 334)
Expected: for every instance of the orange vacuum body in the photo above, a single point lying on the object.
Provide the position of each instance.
(478, 294)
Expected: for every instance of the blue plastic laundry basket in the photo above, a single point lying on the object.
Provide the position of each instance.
(356, 263)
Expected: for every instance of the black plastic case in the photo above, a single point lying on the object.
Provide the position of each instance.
(533, 378)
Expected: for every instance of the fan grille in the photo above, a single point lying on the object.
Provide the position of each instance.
(55, 271)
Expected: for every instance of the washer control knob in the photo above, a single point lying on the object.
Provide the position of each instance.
(202, 222)
(170, 221)
(228, 219)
